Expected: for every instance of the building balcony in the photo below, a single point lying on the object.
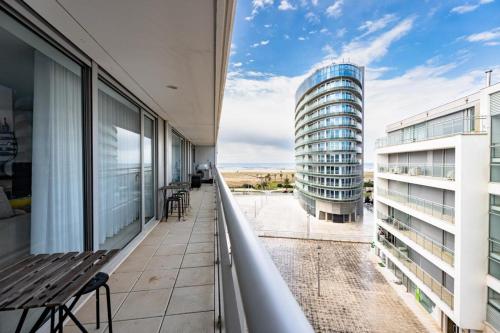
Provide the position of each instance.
(308, 118)
(439, 250)
(435, 286)
(443, 212)
(465, 125)
(333, 86)
(446, 171)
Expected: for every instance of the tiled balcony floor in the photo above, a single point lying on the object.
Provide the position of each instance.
(167, 283)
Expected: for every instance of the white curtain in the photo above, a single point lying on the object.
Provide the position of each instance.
(119, 170)
(57, 176)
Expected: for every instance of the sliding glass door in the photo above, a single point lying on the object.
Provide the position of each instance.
(149, 169)
(176, 158)
(119, 169)
(41, 149)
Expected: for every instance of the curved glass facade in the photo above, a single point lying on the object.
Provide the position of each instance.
(329, 141)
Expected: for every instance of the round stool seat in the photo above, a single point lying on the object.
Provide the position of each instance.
(96, 282)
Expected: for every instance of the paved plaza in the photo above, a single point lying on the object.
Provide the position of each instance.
(280, 215)
(355, 297)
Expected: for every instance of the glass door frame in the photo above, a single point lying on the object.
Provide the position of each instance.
(145, 113)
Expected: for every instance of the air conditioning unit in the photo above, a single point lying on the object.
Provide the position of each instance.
(450, 174)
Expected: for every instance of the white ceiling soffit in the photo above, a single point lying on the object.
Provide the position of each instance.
(151, 44)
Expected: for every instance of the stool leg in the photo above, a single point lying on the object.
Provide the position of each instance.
(52, 319)
(179, 204)
(61, 319)
(108, 299)
(97, 312)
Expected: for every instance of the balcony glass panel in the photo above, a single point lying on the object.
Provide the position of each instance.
(418, 169)
(432, 208)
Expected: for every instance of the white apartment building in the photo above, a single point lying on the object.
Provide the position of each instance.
(433, 190)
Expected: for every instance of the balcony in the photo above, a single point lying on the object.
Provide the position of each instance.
(182, 277)
(446, 171)
(437, 288)
(443, 212)
(442, 252)
(465, 125)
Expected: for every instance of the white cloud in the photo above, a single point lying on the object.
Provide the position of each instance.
(335, 10)
(466, 8)
(233, 49)
(485, 36)
(324, 31)
(257, 5)
(370, 27)
(267, 25)
(341, 32)
(312, 32)
(301, 38)
(237, 64)
(312, 18)
(492, 43)
(286, 36)
(261, 43)
(314, 2)
(286, 5)
(364, 52)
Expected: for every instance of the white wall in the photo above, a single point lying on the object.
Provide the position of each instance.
(204, 154)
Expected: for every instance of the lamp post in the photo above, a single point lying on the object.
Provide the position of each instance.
(319, 284)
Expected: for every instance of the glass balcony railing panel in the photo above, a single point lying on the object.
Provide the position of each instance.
(437, 249)
(493, 316)
(437, 288)
(438, 210)
(416, 169)
(464, 125)
(494, 258)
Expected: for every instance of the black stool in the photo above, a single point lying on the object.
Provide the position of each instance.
(169, 204)
(99, 280)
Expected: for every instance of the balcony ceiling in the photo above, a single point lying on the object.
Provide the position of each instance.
(151, 44)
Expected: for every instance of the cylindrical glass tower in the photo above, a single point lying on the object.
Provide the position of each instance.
(329, 143)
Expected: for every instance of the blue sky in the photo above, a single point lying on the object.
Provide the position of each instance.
(417, 54)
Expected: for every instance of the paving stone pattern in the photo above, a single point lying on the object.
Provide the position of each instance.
(355, 297)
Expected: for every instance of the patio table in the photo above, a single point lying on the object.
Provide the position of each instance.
(49, 281)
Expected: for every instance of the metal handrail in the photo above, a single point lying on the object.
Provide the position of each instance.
(268, 304)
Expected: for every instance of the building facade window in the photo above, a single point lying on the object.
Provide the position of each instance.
(176, 158)
(494, 237)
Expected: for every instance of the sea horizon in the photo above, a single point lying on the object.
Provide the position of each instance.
(270, 166)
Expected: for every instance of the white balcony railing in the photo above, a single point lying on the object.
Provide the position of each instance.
(254, 296)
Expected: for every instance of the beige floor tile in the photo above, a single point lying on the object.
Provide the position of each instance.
(191, 299)
(157, 279)
(195, 276)
(176, 239)
(72, 328)
(201, 322)
(144, 304)
(153, 240)
(164, 250)
(144, 251)
(198, 259)
(164, 262)
(201, 238)
(121, 282)
(86, 315)
(200, 247)
(144, 325)
(133, 265)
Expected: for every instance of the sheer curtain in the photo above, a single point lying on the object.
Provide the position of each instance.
(119, 170)
(57, 176)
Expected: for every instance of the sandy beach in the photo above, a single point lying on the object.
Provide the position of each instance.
(237, 178)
